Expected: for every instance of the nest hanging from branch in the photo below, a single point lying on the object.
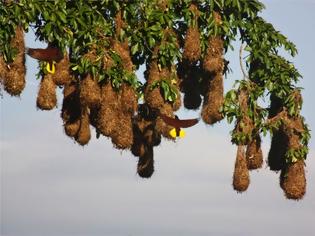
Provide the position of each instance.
(90, 92)
(46, 97)
(12, 75)
(71, 109)
(192, 48)
(254, 155)
(62, 76)
(241, 172)
(83, 135)
(293, 181)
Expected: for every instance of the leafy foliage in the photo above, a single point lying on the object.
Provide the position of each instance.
(156, 30)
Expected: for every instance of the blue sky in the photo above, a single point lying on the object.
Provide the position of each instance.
(51, 186)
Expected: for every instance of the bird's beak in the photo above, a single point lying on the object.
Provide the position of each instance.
(52, 69)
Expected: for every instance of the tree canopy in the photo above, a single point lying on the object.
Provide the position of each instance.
(181, 44)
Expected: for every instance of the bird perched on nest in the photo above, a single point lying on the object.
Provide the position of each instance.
(51, 55)
(178, 124)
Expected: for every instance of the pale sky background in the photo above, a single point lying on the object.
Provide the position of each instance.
(51, 186)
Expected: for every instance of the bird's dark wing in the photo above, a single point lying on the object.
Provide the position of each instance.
(47, 54)
(177, 122)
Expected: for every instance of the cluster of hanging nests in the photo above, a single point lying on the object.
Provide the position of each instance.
(139, 128)
(286, 136)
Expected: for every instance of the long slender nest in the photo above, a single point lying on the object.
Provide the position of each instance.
(192, 49)
(90, 92)
(107, 116)
(241, 172)
(83, 135)
(213, 100)
(145, 167)
(62, 75)
(12, 75)
(245, 125)
(254, 155)
(190, 77)
(46, 97)
(213, 61)
(293, 181)
(286, 137)
(71, 109)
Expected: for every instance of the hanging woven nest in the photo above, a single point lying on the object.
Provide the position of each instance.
(128, 99)
(83, 135)
(46, 97)
(108, 119)
(71, 109)
(145, 167)
(12, 75)
(213, 101)
(293, 181)
(254, 155)
(122, 137)
(241, 172)
(62, 75)
(213, 61)
(192, 48)
(90, 92)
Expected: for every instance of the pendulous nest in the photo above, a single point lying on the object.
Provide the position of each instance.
(293, 181)
(254, 155)
(192, 49)
(213, 101)
(62, 75)
(83, 135)
(90, 92)
(241, 172)
(145, 167)
(213, 61)
(46, 97)
(107, 118)
(71, 109)
(12, 75)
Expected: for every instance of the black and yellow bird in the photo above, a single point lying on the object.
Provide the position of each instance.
(51, 55)
(178, 124)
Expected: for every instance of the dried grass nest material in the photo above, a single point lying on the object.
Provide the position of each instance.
(254, 155)
(47, 98)
(107, 117)
(213, 101)
(12, 76)
(293, 181)
(145, 167)
(241, 172)
(90, 92)
(122, 137)
(213, 61)
(62, 75)
(128, 99)
(192, 49)
(83, 135)
(71, 109)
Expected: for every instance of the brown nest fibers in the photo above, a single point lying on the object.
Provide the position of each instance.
(192, 49)
(241, 173)
(145, 167)
(83, 135)
(62, 75)
(254, 155)
(213, 61)
(12, 75)
(90, 92)
(46, 97)
(71, 109)
(293, 181)
(213, 100)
